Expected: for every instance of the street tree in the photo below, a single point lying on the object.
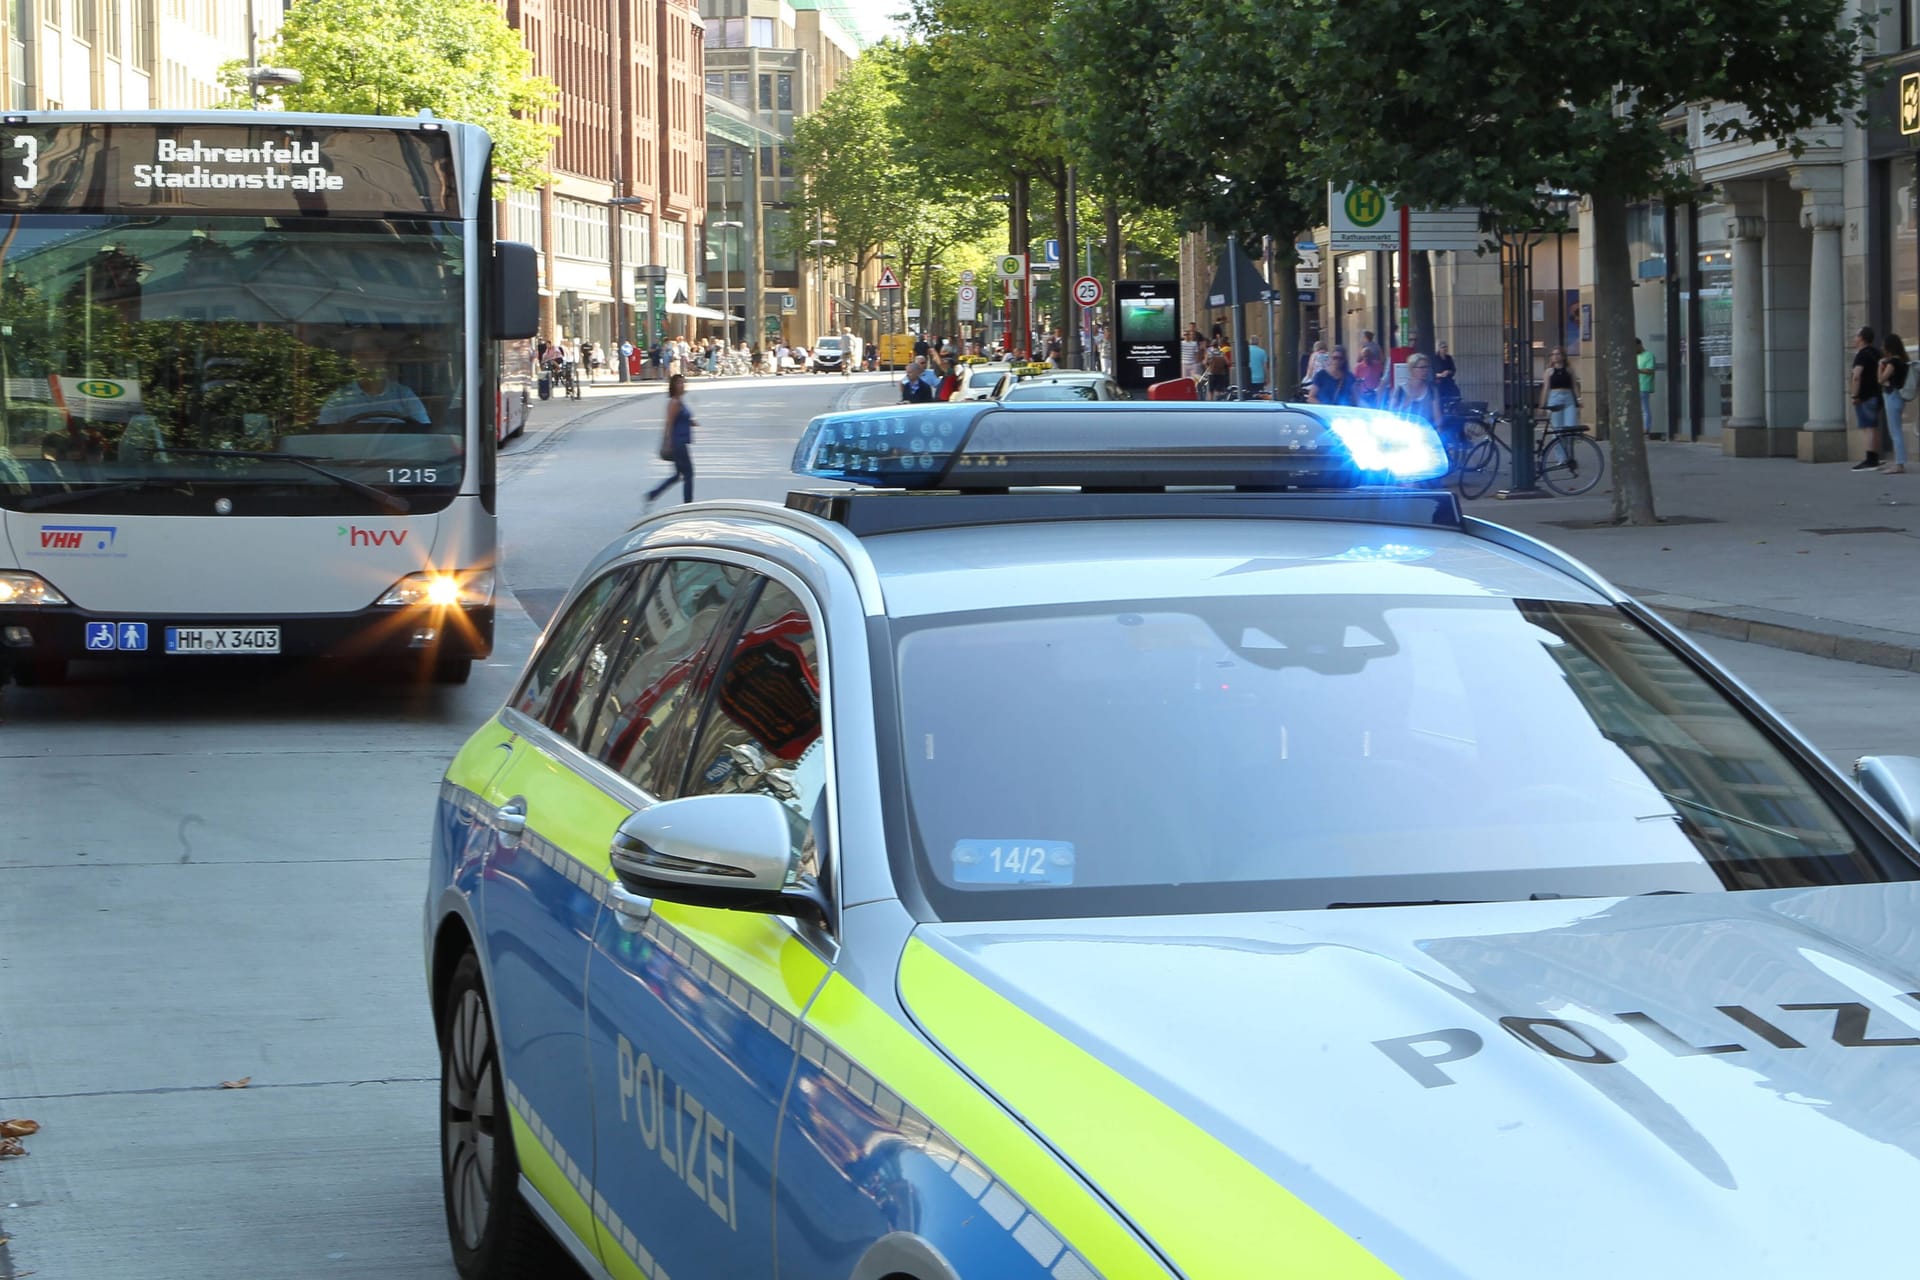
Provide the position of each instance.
(1171, 97)
(855, 174)
(981, 105)
(458, 58)
(1460, 102)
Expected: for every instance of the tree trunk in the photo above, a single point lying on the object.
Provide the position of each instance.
(1116, 254)
(1613, 332)
(1058, 180)
(1069, 269)
(1283, 378)
(1422, 282)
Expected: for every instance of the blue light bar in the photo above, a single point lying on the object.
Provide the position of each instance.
(1118, 446)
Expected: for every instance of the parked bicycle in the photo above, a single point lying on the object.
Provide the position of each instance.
(1567, 460)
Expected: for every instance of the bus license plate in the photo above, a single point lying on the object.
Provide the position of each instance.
(223, 639)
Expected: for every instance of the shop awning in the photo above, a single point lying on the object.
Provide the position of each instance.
(698, 313)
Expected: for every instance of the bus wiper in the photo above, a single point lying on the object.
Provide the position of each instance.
(47, 501)
(386, 501)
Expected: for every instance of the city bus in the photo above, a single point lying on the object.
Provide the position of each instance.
(250, 388)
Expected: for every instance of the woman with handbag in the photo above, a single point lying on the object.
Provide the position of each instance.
(1895, 391)
(1560, 392)
(675, 440)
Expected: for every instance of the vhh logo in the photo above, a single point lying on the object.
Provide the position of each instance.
(358, 537)
(78, 537)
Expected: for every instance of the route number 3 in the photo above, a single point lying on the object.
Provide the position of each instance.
(30, 161)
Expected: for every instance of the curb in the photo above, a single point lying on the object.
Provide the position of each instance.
(1777, 629)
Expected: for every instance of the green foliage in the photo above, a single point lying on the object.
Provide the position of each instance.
(982, 81)
(458, 58)
(863, 180)
(1177, 98)
(1461, 101)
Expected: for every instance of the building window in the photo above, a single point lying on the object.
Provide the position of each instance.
(783, 96)
(762, 33)
(733, 33)
(716, 84)
(523, 217)
(143, 19)
(766, 162)
(676, 247)
(766, 92)
(737, 91)
(716, 162)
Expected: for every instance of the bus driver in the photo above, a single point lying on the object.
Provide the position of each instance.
(372, 395)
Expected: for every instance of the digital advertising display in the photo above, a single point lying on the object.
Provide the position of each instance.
(1147, 332)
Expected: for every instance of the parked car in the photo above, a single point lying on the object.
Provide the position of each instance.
(1065, 385)
(984, 381)
(1135, 840)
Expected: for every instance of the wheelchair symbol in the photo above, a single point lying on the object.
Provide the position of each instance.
(100, 635)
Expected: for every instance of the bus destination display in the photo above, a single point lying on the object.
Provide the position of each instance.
(220, 168)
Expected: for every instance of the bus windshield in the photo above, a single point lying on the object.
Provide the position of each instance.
(262, 365)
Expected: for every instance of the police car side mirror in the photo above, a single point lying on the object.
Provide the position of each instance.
(1893, 782)
(728, 851)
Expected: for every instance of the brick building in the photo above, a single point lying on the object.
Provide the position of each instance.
(629, 185)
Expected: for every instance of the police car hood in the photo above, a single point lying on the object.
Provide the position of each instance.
(1715, 1084)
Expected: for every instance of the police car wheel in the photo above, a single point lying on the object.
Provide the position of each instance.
(493, 1233)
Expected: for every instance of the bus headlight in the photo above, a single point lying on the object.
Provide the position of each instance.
(17, 586)
(467, 588)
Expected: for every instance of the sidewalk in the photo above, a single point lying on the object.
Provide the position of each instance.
(1817, 559)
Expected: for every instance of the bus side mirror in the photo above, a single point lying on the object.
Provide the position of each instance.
(516, 291)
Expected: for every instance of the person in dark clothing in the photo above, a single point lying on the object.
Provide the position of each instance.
(1866, 396)
(679, 442)
(1335, 384)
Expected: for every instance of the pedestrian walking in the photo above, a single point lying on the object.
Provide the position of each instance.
(1644, 362)
(1190, 353)
(1256, 368)
(1560, 393)
(1866, 396)
(1219, 371)
(1370, 367)
(1895, 391)
(676, 442)
(1446, 374)
(1417, 397)
(1316, 360)
(1335, 384)
(915, 386)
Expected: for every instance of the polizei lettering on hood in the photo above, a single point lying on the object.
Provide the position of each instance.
(294, 166)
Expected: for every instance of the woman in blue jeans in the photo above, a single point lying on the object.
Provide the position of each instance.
(679, 437)
(1895, 374)
(1560, 392)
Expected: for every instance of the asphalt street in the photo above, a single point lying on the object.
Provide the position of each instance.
(214, 875)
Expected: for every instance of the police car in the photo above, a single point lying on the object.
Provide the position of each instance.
(1140, 840)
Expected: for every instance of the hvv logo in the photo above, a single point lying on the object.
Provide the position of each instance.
(358, 537)
(88, 539)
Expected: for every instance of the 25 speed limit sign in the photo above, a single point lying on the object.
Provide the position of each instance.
(1086, 291)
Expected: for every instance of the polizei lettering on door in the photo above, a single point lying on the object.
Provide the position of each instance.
(693, 1142)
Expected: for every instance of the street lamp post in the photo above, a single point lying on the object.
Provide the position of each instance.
(1516, 251)
(726, 274)
(259, 77)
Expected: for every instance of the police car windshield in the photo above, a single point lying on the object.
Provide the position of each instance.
(1298, 752)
